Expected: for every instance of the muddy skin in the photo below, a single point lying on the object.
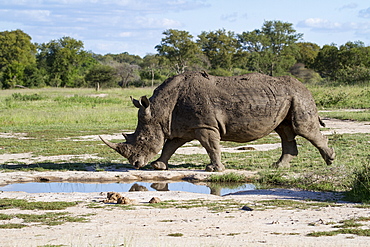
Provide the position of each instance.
(210, 109)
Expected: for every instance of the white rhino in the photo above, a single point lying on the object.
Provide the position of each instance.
(210, 109)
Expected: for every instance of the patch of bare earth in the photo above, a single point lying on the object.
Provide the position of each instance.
(143, 225)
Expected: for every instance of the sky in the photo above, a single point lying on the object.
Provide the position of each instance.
(137, 26)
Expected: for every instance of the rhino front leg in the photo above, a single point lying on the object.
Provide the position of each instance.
(289, 146)
(210, 140)
(169, 148)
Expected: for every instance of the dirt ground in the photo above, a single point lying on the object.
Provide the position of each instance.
(144, 225)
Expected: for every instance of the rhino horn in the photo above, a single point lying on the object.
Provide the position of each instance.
(109, 144)
(128, 137)
(121, 148)
(125, 136)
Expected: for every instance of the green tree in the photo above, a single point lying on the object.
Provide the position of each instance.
(350, 63)
(65, 61)
(127, 73)
(101, 76)
(354, 61)
(307, 53)
(179, 49)
(327, 62)
(272, 48)
(150, 68)
(220, 47)
(16, 53)
(125, 57)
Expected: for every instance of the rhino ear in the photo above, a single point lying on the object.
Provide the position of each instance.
(135, 102)
(143, 102)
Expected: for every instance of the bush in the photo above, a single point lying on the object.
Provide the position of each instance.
(360, 191)
(332, 99)
(27, 97)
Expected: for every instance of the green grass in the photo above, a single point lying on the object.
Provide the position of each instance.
(6, 203)
(348, 115)
(293, 204)
(231, 177)
(360, 189)
(12, 226)
(339, 97)
(351, 226)
(67, 110)
(50, 219)
(177, 234)
(53, 119)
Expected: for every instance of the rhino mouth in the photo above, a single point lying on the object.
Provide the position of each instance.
(137, 163)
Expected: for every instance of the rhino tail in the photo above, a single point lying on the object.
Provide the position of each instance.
(321, 122)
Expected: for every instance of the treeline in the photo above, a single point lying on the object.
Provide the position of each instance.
(275, 49)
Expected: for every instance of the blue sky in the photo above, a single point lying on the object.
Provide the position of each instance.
(136, 26)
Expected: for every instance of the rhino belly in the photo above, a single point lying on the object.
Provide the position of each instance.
(245, 126)
(248, 130)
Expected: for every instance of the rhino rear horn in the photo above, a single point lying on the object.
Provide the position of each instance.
(128, 137)
(109, 144)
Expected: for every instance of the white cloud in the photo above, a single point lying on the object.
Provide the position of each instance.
(318, 23)
(157, 23)
(230, 17)
(349, 6)
(364, 13)
(125, 34)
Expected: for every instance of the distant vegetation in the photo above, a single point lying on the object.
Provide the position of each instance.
(275, 49)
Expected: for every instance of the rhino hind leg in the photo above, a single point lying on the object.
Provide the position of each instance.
(210, 140)
(289, 146)
(306, 123)
(321, 143)
(169, 148)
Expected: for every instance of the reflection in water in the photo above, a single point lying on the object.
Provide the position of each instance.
(160, 186)
(204, 188)
(137, 187)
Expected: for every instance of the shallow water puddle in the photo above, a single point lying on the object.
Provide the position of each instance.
(210, 188)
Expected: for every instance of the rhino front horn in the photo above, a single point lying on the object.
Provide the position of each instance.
(109, 144)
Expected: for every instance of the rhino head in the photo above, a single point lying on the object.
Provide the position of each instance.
(147, 140)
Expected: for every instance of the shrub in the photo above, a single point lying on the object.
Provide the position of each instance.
(360, 191)
(27, 97)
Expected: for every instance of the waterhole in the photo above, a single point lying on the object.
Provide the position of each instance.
(53, 187)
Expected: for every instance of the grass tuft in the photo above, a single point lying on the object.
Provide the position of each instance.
(360, 191)
(231, 177)
(25, 205)
(175, 234)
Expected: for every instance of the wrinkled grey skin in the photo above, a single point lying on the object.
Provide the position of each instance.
(209, 109)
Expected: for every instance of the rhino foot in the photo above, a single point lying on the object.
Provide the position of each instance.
(159, 165)
(329, 156)
(215, 168)
(280, 164)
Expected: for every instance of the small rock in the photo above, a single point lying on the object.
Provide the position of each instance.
(124, 200)
(112, 197)
(246, 148)
(155, 200)
(246, 208)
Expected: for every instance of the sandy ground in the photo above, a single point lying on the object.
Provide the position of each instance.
(149, 226)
